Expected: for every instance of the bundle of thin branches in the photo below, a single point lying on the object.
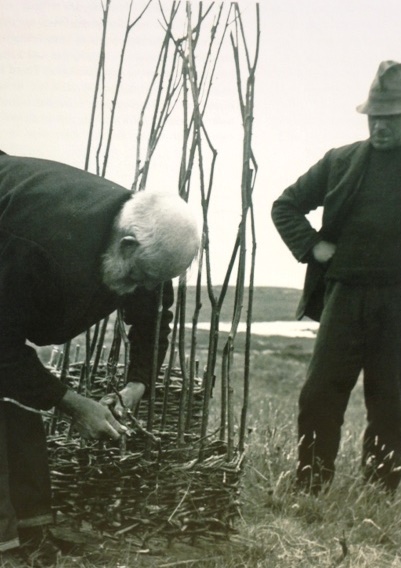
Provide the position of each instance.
(170, 477)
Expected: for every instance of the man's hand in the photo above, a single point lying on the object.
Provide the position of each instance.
(128, 397)
(92, 419)
(323, 251)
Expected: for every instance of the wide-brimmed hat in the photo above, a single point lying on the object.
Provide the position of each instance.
(385, 91)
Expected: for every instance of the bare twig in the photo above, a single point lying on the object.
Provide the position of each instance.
(128, 29)
(100, 73)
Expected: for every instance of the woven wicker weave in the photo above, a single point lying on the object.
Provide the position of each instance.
(146, 484)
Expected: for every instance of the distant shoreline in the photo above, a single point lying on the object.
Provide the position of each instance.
(307, 329)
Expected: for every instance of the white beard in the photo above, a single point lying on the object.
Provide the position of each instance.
(116, 272)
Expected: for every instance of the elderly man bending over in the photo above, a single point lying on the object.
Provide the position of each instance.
(73, 248)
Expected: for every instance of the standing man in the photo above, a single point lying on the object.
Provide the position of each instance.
(73, 248)
(353, 285)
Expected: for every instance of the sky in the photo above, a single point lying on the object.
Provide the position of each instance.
(317, 61)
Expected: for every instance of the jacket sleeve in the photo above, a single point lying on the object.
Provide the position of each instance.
(141, 312)
(23, 378)
(290, 209)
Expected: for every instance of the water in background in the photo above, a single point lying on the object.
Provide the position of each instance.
(306, 329)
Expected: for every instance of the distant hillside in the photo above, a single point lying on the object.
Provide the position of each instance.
(269, 304)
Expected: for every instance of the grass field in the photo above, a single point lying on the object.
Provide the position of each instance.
(351, 526)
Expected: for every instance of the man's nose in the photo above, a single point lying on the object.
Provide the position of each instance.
(379, 123)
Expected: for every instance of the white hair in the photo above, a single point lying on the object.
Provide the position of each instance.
(167, 234)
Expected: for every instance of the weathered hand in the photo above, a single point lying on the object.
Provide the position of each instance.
(128, 397)
(323, 251)
(92, 419)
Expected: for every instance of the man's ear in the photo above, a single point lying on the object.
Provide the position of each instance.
(128, 245)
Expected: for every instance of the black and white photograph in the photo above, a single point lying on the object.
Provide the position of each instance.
(200, 284)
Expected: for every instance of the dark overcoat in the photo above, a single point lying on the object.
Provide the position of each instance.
(332, 183)
(55, 225)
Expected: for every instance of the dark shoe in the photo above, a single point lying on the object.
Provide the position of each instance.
(12, 559)
(37, 547)
(386, 475)
(313, 484)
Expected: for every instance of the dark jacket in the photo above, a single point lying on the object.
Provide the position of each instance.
(331, 183)
(55, 224)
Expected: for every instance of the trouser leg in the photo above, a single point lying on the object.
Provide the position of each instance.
(381, 458)
(8, 519)
(29, 472)
(333, 371)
